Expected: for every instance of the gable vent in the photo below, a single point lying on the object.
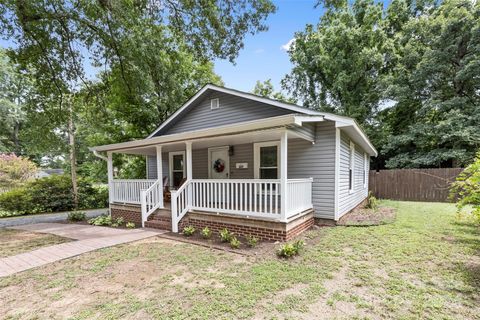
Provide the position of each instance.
(214, 103)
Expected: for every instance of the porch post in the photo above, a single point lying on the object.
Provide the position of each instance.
(160, 174)
(188, 147)
(110, 176)
(283, 174)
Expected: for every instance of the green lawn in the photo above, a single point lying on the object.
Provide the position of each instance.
(422, 266)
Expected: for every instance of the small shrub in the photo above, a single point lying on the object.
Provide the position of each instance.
(103, 220)
(372, 202)
(225, 235)
(130, 225)
(206, 233)
(76, 216)
(235, 243)
(188, 231)
(6, 214)
(289, 250)
(252, 241)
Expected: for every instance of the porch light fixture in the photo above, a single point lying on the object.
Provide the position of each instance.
(231, 151)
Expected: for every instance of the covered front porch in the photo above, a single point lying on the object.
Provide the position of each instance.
(239, 175)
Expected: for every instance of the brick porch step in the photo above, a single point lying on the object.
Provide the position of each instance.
(156, 224)
(161, 219)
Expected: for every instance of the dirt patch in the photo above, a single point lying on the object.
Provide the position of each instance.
(18, 241)
(368, 217)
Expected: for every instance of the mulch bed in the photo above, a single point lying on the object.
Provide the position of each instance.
(261, 249)
(361, 217)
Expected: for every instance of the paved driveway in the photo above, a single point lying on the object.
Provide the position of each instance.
(89, 238)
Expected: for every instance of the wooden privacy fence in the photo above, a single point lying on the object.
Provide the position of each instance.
(413, 184)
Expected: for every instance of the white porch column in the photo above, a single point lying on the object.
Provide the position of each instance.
(188, 147)
(283, 174)
(110, 176)
(160, 174)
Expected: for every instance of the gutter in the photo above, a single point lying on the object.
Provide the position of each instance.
(98, 155)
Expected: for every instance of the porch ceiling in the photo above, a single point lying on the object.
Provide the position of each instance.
(227, 140)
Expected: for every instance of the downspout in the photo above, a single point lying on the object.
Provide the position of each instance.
(98, 155)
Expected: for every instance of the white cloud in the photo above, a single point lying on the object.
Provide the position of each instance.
(288, 45)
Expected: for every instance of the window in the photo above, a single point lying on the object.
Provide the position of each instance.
(351, 167)
(365, 169)
(177, 168)
(214, 103)
(266, 160)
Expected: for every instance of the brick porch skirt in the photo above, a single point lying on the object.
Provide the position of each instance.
(263, 229)
(130, 213)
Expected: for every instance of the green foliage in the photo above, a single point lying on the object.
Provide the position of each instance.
(130, 225)
(225, 235)
(7, 214)
(252, 241)
(76, 216)
(206, 233)
(106, 220)
(15, 171)
(265, 89)
(372, 201)
(466, 189)
(290, 249)
(188, 231)
(52, 194)
(235, 243)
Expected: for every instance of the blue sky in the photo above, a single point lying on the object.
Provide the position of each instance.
(263, 57)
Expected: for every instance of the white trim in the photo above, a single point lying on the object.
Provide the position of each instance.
(238, 94)
(256, 156)
(337, 172)
(217, 103)
(351, 166)
(227, 164)
(283, 174)
(365, 170)
(170, 164)
(110, 176)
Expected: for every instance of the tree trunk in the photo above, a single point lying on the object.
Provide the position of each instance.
(73, 155)
(16, 142)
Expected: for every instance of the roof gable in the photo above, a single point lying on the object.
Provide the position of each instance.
(235, 106)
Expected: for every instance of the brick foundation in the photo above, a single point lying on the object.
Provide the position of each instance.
(129, 213)
(263, 229)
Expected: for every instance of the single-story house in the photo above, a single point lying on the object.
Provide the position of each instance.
(231, 159)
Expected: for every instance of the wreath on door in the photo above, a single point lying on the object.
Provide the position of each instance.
(219, 165)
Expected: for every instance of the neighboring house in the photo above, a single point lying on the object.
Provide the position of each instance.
(244, 162)
(48, 172)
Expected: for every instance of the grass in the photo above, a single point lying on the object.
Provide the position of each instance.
(422, 266)
(16, 241)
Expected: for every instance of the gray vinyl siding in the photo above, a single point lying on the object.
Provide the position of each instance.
(232, 110)
(307, 129)
(346, 200)
(317, 161)
(152, 166)
(242, 153)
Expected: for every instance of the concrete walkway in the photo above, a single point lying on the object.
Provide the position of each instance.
(89, 238)
(46, 217)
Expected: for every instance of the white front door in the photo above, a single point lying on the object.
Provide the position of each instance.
(218, 163)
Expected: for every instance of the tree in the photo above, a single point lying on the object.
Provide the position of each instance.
(466, 189)
(14, 91)
(336, 65)
(436, 87)
(15, 171)
(149, 54)
(265, 89)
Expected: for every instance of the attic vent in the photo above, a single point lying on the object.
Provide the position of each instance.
(214, 104)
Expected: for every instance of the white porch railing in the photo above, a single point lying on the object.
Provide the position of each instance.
(299, 195)
(180, 200)
(128, 191)
(248, 197)
(151, 199)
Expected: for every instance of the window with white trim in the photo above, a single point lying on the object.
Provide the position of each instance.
(351, 167)
(214, 103)
(365, 169)
(177, 168)
(266, 160)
